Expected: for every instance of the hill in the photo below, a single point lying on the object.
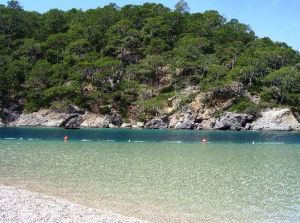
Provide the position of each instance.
(141, 62)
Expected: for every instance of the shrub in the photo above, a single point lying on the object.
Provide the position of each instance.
(104, 110)
(245, 105)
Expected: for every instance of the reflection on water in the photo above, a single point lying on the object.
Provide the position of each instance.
(162, 182)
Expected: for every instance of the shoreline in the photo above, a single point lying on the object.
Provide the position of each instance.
(22, 205)
(269, 120)
(135, 128)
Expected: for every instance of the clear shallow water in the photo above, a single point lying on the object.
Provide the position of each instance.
(161, 180)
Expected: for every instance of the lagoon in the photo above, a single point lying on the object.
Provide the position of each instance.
(160, 175)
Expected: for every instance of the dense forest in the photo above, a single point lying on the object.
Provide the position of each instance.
(138, 56)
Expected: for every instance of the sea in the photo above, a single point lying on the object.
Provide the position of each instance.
(160, 175)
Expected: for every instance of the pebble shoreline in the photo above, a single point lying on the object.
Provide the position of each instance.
(22, 206)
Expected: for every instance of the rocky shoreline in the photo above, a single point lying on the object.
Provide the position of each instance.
(202, 111)
(18, 205)
(278, 119)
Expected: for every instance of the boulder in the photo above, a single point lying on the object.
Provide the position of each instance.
(198, 126)
(126, 125)
(157, 123)
(186, 124)
(115, 119)
(10, 113)
(276, 120)
(233, 121)
(138, 125)
(111, 126)
(72, 122)
(91, 120)
(208, 124)
(182, 120)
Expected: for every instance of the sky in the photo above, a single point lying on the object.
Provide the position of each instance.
(277, 19)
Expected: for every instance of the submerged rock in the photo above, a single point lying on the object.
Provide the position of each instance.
(157, 123)
(276, 120)
(233, 121)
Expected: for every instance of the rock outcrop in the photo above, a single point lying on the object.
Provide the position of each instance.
(139, 125)
(10, 113)
(126, 125)
(276, 120)
(91, 120)
(157, 123)
(233, 121)
(45, 117)
(50, 118)
(72, 122)
(183, 120)
(115, 119)
(196, 115)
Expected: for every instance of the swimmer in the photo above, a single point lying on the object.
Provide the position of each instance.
(204, 140)
(66, 138)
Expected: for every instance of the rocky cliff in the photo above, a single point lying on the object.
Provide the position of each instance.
(203, 111)
(187, 118)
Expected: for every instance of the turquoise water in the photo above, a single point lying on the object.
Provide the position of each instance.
(161, 176)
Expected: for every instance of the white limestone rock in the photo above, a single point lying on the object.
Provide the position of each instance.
(276, 120)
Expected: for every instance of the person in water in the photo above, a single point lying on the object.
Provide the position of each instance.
(66, 138)
(204, 140)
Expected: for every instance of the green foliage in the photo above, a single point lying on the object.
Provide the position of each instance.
(156, 103)
(284, 84)
(104, 110)
(116, 58)
(244, 105)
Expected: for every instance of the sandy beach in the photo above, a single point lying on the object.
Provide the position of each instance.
(22, 206)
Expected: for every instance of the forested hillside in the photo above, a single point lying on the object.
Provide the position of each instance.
(137, 57)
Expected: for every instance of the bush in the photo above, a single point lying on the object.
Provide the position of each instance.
(31, 106)
(245, 105)
(104, 110)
